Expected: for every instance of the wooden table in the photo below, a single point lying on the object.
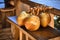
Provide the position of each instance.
(41, 34)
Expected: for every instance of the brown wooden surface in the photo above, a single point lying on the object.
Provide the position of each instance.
(41, 34)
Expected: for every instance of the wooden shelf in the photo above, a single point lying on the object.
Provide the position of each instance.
(41, 34)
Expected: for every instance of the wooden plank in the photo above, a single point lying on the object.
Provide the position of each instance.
(3, 19)
(12, 29)
(21, 37)
(16, 33)
(27, 37)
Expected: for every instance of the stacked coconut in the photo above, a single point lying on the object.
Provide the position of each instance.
(35, 17)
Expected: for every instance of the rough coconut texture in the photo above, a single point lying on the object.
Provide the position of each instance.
(45, 19)
(32, 23)
(21, 18)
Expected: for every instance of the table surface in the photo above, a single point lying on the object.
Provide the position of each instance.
(42, 33)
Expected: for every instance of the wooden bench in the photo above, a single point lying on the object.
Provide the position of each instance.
(20, 32)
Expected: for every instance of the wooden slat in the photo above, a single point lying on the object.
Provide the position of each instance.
(27, 37)
(16, 33)
(13, 29)
(21, 35)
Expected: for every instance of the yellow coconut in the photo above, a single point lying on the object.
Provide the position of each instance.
(45, 19)
(32, 23)
(21, 18)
